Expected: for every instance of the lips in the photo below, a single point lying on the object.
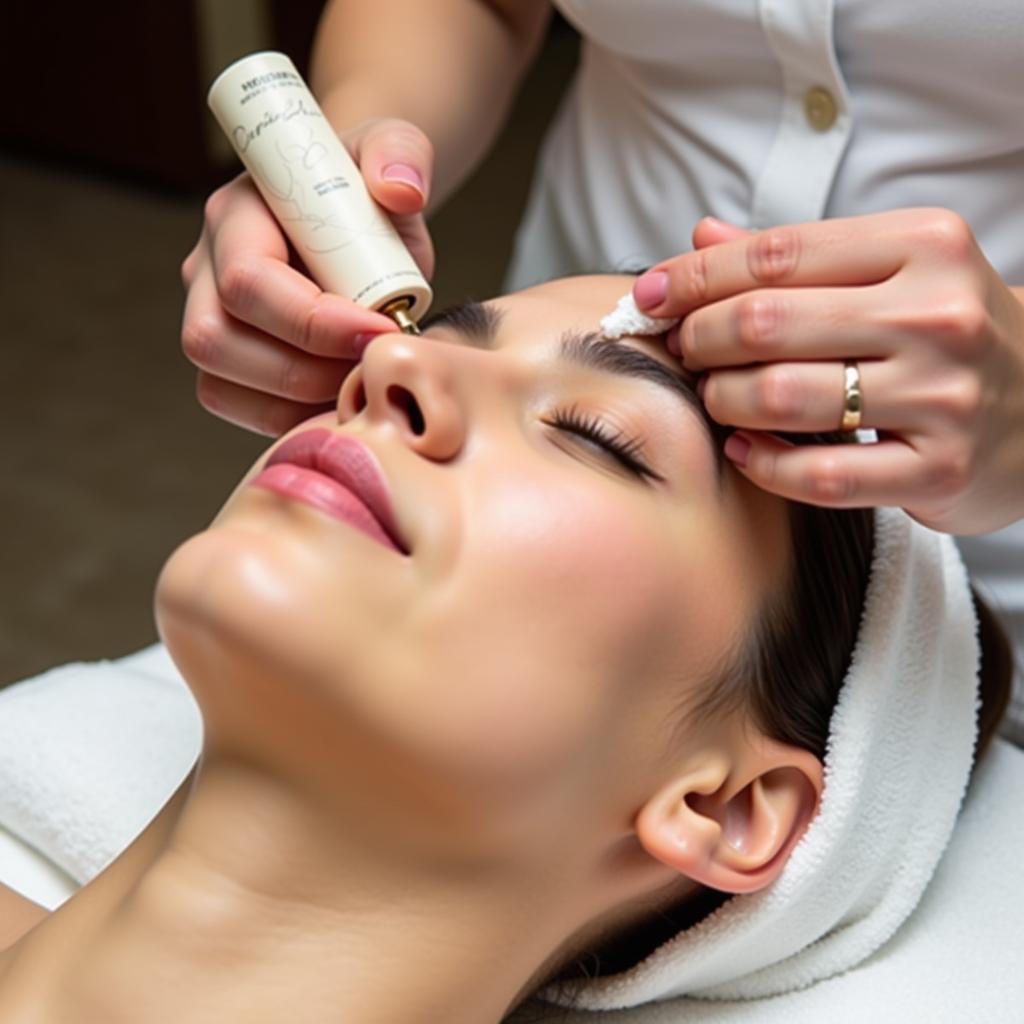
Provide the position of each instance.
(339, 476)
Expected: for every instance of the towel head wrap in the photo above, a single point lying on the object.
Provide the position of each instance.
(899, 755)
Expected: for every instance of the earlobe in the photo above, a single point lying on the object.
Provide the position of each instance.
(732, 826)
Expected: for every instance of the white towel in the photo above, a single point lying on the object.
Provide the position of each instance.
(899, 756)
(89, 753)
(956, 960)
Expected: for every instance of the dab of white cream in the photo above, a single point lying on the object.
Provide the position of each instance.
(626, 318)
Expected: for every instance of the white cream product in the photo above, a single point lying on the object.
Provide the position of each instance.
(314, 188)
(627, 318)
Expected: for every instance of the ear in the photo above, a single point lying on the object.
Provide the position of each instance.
(732, 825)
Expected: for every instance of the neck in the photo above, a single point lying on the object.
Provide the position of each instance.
(258, 908)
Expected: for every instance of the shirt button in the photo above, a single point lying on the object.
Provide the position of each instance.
(820, 109)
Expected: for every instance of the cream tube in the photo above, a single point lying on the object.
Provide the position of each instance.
(314, 188)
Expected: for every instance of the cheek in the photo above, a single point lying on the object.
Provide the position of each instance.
(578, 555)
(624, 577)
(562, 604)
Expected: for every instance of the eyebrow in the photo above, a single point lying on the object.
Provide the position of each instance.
(475, 321)
(479, 324)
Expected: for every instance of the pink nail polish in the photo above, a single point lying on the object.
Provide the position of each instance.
(737, 448)
(405, 174)
(651, 289)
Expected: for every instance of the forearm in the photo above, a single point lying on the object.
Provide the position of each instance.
(451, 67)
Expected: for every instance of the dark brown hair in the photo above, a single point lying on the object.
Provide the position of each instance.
(790, 677)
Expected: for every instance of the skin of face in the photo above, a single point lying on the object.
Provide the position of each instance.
(515, 679)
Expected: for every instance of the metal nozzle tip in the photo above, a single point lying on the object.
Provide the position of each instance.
(399, 312)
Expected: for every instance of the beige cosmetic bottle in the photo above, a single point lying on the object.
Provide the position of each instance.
(314, 188)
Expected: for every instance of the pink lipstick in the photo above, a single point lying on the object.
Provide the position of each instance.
(337, 475)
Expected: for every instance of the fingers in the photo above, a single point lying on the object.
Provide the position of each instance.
(835, 475)
(851, 251)
(786, 324)
(809, 397)
(771, 318)
(712, 231)
(944, 409)
(255, 284)
(253, 410)
(231, 349)
(272, 347)
(396, 160)
(802, 398)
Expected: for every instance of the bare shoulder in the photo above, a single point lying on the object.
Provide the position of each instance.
(18, 915)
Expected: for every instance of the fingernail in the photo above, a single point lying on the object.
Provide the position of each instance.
(405, 174)
(737, 448)
(702, 383)
(651, 289)
(362, 339)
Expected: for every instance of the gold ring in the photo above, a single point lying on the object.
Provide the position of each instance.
(851, 397)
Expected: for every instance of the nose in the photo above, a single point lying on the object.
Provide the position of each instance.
(409, 384)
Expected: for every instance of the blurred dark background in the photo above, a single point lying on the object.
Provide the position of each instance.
(106, 155)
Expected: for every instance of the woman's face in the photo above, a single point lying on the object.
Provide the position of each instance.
(563, 562)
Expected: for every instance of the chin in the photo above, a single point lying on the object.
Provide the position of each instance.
(264, 602)
(229, 603)
(193, 609)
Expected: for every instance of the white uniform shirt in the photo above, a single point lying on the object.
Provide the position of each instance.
(771, 111)
(763, 112)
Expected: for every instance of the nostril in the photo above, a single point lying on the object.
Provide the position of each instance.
(359, 398)
(404, 400)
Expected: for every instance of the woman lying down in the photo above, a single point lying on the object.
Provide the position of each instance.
(512, 686)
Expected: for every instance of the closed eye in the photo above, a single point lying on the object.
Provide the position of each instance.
(627, 451)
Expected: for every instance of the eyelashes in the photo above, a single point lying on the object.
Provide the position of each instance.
(627, 451)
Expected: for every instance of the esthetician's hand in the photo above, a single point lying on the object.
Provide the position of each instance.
(272, 348)
(770, 319)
